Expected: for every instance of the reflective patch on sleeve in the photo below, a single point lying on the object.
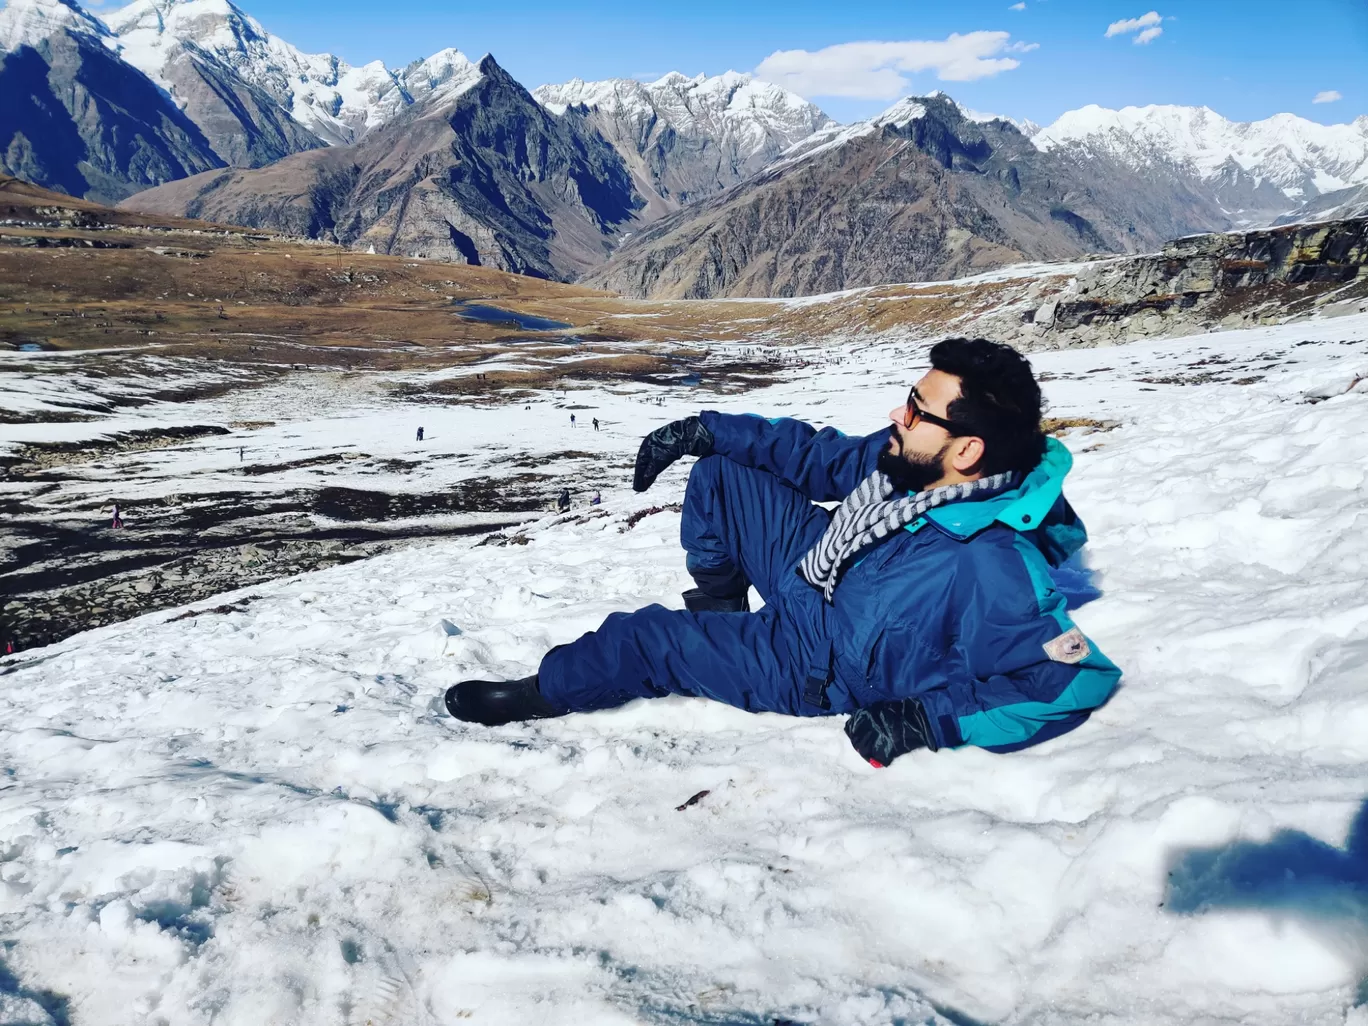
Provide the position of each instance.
(1069, 647)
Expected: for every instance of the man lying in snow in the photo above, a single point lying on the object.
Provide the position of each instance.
(922, 605)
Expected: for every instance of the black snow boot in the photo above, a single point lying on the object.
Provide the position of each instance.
(696, 600)
(496, 702)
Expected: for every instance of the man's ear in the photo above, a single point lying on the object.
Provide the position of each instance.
(966, 453)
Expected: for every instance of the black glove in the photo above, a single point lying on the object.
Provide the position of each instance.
(882, 731)
(664, 445)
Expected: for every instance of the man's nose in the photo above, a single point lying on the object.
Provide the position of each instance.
(898, 415)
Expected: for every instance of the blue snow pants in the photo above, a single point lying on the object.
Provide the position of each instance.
(774, 660)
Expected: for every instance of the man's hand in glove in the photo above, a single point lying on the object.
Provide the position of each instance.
(664, 445)
(882, 731)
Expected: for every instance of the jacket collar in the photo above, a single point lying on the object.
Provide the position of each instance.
(1037, 502)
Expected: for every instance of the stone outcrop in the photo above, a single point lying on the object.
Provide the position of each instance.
(1209, 281)
(1193, 285)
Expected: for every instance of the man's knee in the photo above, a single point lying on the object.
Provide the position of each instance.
(705, 478)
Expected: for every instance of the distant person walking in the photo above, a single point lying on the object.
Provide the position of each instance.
(572, 420)
(116, 521)
(420, 434)
(596, 499)
(595, 423)
(563, 500)
(241, 450)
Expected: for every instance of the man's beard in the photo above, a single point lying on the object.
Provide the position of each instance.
(912, 472)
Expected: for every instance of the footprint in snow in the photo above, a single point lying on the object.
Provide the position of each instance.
(381, 993)
(395, 684)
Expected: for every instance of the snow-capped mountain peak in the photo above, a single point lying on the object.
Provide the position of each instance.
(755, 114)
(333, 100)
(29, 22)
(177, 43)
(441, 77)
(688, 137)
(901, 114)
(1301, 158)
(831, 136)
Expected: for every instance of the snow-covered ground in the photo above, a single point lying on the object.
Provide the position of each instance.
(275, 428)
(263, 816)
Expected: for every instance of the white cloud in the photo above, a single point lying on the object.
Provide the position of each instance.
(877, 70)
(1145, 21)
(1328, 96)
(1147, 35)
(1017, 7)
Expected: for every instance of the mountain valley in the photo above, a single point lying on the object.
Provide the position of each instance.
(679, 187)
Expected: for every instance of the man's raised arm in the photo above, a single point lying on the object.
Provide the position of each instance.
(824, 465)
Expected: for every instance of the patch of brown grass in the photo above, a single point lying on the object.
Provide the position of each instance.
(1059, 425)
(649, 511)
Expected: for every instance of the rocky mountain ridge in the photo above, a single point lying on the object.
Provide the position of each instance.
(329, 99)
(490, 178)
(921, 192)
(761, 181)
(1259, 170)
(255, 99)
(78, 119)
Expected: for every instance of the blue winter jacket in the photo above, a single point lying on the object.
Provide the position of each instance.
(957, 609)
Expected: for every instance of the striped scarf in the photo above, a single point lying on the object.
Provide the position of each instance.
(868, 516)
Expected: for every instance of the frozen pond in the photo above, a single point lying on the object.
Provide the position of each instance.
(495, 315)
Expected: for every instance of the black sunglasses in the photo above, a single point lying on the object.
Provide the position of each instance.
(913, 413)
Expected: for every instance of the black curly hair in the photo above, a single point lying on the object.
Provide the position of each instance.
(999, 401)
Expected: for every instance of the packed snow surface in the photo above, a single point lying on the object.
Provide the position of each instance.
(263, 815)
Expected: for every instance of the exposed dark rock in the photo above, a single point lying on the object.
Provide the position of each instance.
(57, 579)
(1201, 283)
(1207, 274)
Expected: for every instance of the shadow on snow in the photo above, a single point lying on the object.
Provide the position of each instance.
(1292, 876)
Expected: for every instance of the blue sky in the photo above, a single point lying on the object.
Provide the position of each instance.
(1246, 59)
